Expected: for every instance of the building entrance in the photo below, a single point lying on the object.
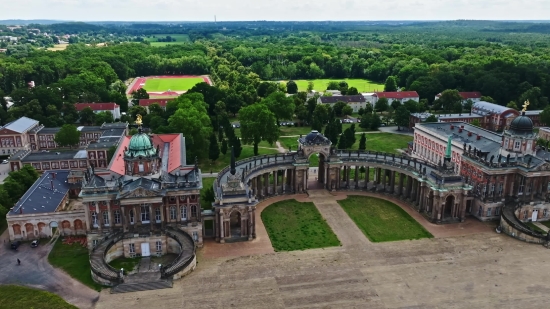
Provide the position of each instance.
(145, 250)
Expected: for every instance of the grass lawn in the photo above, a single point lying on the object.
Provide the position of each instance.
(174, 84)
(13, 296)
(535, 228)
(128, 264)
(545, 223)
(292, 225)
(384, 142)
(381, 220)
(74, 260)
(362, 85)
(180, 39)
(207, 183)
(224, 160)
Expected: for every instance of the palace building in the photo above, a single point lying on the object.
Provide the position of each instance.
(497, 166)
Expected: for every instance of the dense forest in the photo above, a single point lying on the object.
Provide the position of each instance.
(507, 62)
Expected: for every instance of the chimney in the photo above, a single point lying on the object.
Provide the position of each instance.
(53, 175)
(452, 127)
(459, 130)
(469, 133)
(51, 182)
(478, 137)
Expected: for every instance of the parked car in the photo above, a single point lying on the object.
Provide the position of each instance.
(35, 243)
(15, 244)
(5, 162)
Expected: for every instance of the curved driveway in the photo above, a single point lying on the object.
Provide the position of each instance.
(35, 271)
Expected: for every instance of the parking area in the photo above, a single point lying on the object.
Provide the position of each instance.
(4, 171)
(35, 271)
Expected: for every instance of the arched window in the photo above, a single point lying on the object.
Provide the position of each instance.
(106, 218)
(194, 211)
(132, 218)
(157, 214)
(173, 215)
(117, 216)
(184, 212)
(94, 219)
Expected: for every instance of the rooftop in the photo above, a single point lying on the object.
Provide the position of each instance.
(397, 94)
(161, 102)
(21, 125)
(485, 108)
(52, 155)
(343, 98)
(44, 195)
(96, 106)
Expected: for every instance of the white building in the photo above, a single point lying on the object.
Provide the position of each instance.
(401, 96)
(100, 107)
(355, 101)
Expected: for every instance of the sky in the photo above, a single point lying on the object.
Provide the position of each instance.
(284, 10)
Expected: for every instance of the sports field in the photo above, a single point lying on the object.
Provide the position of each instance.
(173, 84)
(362, 85)
(179, 39)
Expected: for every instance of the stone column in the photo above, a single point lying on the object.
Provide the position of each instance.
(222, 227)
(356, 178)
(409, 187)
(275, 191)
(283, 182)
(400, 185)
(87, 215)
(109, 216)
(253, 185)
(418, 193)
(151, 216)
(178, 210)
(392, 182)
(123, 218)
(367, 176)
(347, 173)
(293, 180)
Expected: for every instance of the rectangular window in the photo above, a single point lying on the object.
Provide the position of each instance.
(545, 213)
(145, 214)
(132, 248)
(106, 218)
(173, 213)
(157, 214)
(159, 246)
(500, 187)
(117, 217)
(521, 185)
(183, 210)
(497, 211)
(489, 212)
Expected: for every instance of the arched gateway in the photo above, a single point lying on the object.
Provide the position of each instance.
(425, 186)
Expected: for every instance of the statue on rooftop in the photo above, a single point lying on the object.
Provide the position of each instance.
(525, 104)
(139, 122)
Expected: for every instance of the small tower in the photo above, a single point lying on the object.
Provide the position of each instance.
(520, 138)
(141, 158)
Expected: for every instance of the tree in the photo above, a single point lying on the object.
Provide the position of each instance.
(347, 110)
(363, 142)
(475, 123)
(266, 88)
(280, 105)
(431, 118)
(258, 124)
(223, 150)
(214, 150)
(361, 111)
(411, 106)
(449, 99)
(395, 104)
(191, 119)
(545, 116)
(352, 91)
(402, 115)
(68, 135)
(333, 85)
(310, 86)
(512, 104)
(343, 143)
(370, 121)
(488, 99)
(291, 87)
(390, 84)
(87, 116)
(381, 105)
(321, 116)
(236, 144)
(338, 107)
(139, 94)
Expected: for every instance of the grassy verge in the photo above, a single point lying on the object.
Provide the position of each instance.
(545, 223)
(207, 184)
(128, 264)
(224, 160)
(535, 228)
(74, 260)
(13, 296)
(384, 142)
(381, 220)
(292, 225)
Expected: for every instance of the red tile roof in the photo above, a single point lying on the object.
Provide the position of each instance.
(397, 94)
(96, 106)
(161, 102)
(117, 163)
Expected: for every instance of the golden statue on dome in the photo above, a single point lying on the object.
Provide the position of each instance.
(525, 106)
(138, 120)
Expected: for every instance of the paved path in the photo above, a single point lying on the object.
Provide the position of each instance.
(35, 271)
(341, 224)
(541, 226)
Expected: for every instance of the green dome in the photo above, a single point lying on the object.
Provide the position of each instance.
(140, 145)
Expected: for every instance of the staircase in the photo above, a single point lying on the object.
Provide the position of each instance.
(142, 286)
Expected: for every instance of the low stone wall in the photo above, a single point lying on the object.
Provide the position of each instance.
(116, 251)
(187, 269)
(510, 229)
(100, 280)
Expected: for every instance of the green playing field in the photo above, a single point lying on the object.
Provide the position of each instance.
(174, 84)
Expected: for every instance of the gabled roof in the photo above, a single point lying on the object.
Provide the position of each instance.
(343, 98)
(96, 106)
(161, 102)
(467, 95)
(397, 95)
(21, 125)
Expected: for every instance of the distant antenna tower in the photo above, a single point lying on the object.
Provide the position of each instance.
(214, 18)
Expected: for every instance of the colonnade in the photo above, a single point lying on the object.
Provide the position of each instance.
(279, 181)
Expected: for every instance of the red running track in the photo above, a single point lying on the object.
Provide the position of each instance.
(141, 80)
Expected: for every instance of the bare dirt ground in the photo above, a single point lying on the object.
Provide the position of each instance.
(456, 269)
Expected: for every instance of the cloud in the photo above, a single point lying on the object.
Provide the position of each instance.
(231, 10)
